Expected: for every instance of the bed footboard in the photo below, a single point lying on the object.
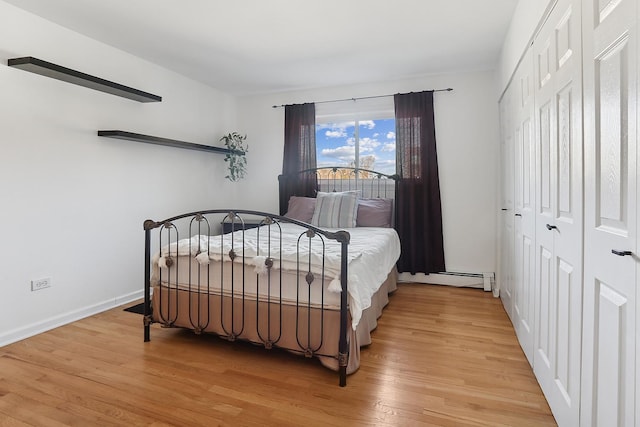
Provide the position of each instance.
(249, 284)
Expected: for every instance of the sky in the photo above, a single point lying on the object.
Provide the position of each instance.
(336, 144)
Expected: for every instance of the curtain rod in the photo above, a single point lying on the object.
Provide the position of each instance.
(363, 97)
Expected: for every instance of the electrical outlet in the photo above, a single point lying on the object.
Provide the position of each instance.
(38, 284)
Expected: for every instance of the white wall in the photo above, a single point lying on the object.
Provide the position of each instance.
(467, 138)
(526, 18)
(73, 204)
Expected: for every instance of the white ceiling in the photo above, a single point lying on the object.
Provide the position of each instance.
(257, 46)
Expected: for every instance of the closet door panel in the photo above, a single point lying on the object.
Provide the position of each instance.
(506, 258)
(610, 294)
(507, 228)
(525, 202)
(545, 325)
(568, 215)
(559, 211)
(525, 250)
(546, 167)
(612, 348)
(565, 155)
(524, 297)
(528, 168)
(611, 74)
(565, 347)
(567, 36)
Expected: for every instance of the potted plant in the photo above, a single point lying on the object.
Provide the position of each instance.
(236, 158)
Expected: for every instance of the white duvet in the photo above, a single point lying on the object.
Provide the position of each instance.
(372, 254)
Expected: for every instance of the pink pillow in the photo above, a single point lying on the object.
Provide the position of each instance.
(374, 213)
(301, 208)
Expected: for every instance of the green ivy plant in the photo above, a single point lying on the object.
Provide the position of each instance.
(236, 158)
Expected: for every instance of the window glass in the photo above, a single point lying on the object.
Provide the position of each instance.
(365, 144)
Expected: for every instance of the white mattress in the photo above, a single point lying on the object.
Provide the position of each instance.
(265, 285)
(372, 254)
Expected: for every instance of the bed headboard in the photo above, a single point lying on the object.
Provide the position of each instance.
(370, 184)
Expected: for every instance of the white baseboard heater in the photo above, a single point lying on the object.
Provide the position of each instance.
(484, 281)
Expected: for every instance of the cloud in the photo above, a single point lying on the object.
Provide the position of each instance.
(389, 147)
(335, 130)
(368, 144)
(337, 133)
(391, 135)
(345, 152)
(341, 125)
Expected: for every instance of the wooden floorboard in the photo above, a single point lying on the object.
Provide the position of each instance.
(440, 356)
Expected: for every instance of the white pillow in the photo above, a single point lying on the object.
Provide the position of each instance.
(336, 210)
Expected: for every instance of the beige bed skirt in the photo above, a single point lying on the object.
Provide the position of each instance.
(299, 329)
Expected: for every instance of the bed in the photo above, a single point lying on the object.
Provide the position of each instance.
(279, 280)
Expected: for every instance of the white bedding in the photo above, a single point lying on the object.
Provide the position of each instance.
(372, 253)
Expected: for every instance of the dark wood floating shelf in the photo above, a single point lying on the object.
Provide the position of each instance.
(120, 134)
(44, 68)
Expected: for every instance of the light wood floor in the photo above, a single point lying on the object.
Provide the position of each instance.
(440, 356)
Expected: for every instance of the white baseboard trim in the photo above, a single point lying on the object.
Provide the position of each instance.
(467, 280)
(66, 318)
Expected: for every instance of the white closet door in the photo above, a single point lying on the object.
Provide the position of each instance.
(524, 225)
(610, 39)
(506, 203)
(558, 237)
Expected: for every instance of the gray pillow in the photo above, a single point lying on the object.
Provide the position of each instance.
(336, 210)
(301, 208)
(374, 213)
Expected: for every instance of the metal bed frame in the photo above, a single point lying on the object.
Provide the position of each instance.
(343, 178)
(200, 282)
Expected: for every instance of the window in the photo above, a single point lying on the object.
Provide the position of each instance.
(366, 144)
(359, 133)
